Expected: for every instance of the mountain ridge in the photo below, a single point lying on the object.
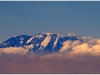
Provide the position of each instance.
(50, 42)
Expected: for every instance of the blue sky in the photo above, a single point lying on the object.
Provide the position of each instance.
(30, 18)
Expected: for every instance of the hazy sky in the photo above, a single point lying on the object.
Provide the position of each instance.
(30, 18)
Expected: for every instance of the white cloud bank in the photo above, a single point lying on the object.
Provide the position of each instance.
(89, 47)
(14, 50)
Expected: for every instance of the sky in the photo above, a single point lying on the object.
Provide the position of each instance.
(33, 17)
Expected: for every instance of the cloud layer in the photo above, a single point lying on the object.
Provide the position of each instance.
(14, 50)
(89, 47)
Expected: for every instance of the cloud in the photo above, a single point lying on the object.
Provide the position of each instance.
(14, 50)
(89, 47)
(71, 34)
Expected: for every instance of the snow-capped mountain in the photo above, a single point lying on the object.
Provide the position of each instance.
(49, 42)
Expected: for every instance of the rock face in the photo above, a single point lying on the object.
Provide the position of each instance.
(50, 42)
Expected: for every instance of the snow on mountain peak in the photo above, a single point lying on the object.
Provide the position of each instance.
(30, 39)
(56, 41)
(45, 42)
(47, 33)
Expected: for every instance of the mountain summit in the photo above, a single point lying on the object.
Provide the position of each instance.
(49, 42)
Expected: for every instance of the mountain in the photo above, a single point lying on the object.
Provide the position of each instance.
(48, 42)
